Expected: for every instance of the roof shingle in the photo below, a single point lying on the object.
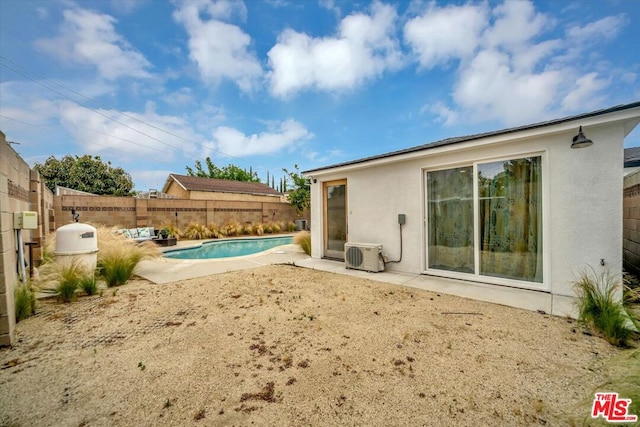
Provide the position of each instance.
(196, 183)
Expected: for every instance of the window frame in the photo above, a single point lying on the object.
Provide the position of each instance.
(476, 276)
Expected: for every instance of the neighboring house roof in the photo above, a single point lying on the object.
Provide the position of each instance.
(196, 183)
(460, 139)
(632, 157)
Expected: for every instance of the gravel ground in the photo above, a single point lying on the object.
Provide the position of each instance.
(281, 345)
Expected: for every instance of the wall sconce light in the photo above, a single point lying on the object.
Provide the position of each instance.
(581, 141)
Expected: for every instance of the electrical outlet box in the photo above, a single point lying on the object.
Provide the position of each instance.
(402, 218)
(27, 220)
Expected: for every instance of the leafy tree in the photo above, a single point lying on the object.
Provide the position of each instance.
(229, 172)
(300, 194)
(85, 173)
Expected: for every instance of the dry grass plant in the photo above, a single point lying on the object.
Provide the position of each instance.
(63, 279)
(195, 231)
(303, 239)
(117, 262)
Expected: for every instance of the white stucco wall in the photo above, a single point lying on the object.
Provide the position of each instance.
(582, 206)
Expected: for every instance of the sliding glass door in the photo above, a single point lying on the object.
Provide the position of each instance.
(486, 219)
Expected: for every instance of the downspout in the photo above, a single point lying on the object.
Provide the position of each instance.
(21, 270)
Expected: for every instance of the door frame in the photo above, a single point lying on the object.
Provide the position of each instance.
(325, 228)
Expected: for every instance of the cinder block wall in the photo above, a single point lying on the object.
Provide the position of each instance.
(127, 212)
(20, 190)
(631, 223)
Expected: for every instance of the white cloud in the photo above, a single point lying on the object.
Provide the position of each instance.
(490, 89)
(232, 142)
(97, 133)
(444, 114)
(220, 50)
(595, 32)
(181, 97)
(442, 34)
(585, 95)
(89, 38)
(516, 25)
(364, 48)
(509, 69)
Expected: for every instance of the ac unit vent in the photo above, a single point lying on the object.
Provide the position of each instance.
(364, 256)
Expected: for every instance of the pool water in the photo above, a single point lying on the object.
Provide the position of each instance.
(229, 248)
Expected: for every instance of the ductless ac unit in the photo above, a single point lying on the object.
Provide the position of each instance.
(364, 256)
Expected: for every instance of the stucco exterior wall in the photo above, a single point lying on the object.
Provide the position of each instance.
(232, 197)
(177, 191)
(582, 205)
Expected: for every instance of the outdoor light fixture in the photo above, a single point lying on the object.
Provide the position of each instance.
(581, 141)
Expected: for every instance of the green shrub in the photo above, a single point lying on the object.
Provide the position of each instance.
(248, 229)
(259, 229)
(25, 301)
(291, 226)
(599, 309)
(303, 239)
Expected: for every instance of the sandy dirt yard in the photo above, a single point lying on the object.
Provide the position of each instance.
(282, 345)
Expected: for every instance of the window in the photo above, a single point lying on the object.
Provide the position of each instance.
(502, 209)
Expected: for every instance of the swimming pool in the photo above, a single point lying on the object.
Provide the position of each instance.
(229, 248)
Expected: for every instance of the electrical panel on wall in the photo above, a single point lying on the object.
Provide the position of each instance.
(26, 220)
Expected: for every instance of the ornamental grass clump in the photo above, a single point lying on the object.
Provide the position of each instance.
(599, 308)
(195, 231)
(63, 279)
(117, 263)
(25, 301)
(303, 239)
(118, 257)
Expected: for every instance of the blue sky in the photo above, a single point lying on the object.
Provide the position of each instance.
(154, 85)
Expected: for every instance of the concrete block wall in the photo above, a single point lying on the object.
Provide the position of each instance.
(127, 212)
(631, 223)
(20, 190)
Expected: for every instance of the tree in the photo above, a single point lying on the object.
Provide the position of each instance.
(300, 195)
(229, 172)
(85, 173)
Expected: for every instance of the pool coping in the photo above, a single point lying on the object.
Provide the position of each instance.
(194, 244)
(167, 270)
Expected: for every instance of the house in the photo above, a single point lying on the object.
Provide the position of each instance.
(510, 216)
(199, 188)
(631, 160)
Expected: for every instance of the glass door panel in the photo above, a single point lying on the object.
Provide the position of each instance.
(450, 219)
(510, 219)
(335, 218)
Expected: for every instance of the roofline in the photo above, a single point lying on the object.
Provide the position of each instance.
(469, 138)
(177, 180)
